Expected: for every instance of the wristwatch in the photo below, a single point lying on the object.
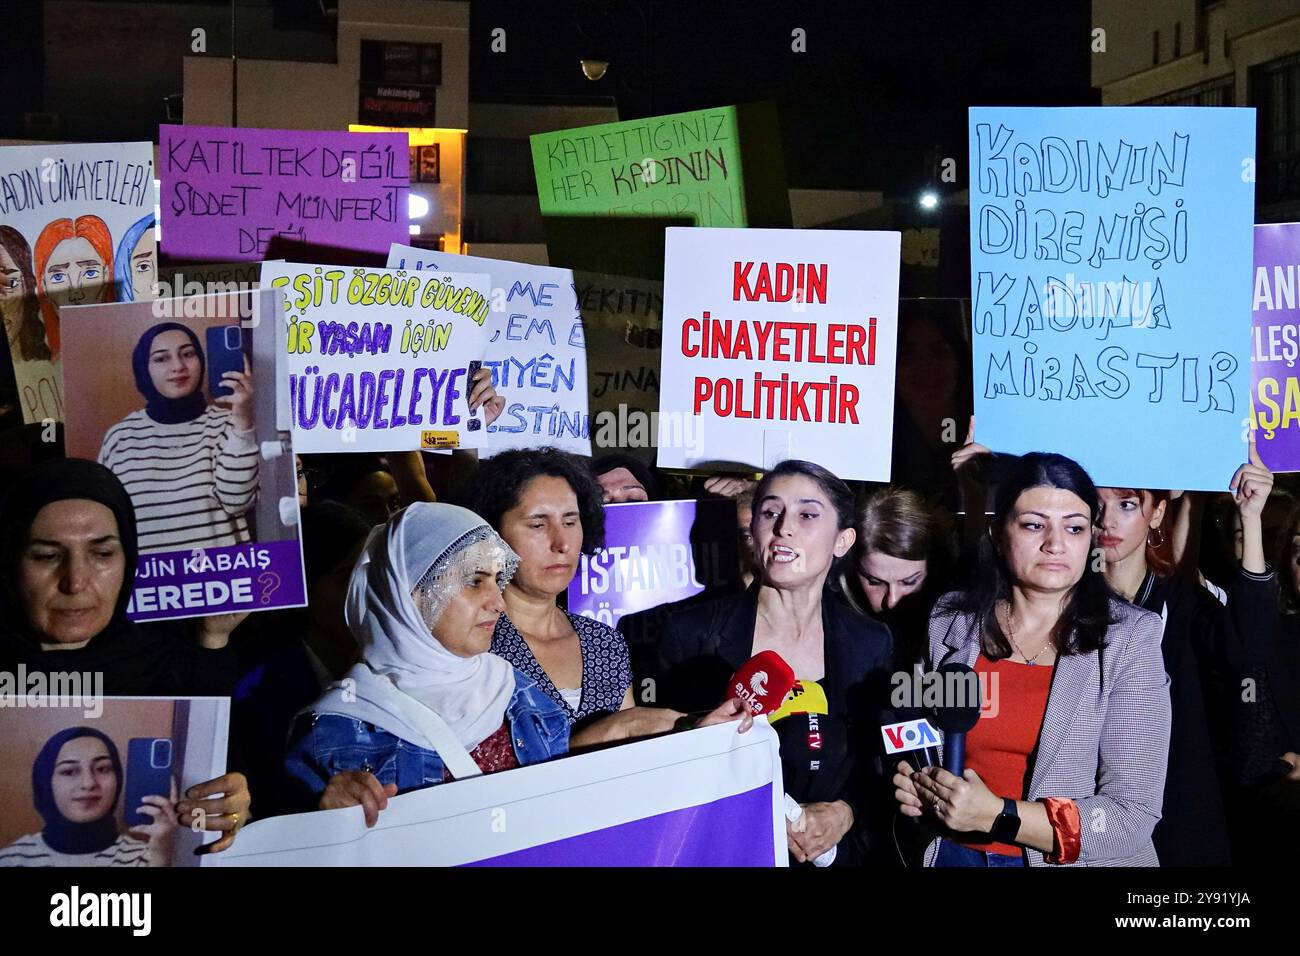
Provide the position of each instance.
(1007, 825)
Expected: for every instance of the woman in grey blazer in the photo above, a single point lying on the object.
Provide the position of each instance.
(1067, 762)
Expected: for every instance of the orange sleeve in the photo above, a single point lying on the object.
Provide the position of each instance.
(1063, 815)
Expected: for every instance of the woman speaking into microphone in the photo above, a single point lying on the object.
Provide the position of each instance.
(1067, 764)
(802, 526)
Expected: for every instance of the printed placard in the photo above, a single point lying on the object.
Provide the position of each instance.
(657, 552)
(181, 400)
(707, 797)
(781, 342)
(85, 765)
(1275, 347)
(622, 317)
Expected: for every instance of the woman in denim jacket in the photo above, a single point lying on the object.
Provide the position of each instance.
(428, 703)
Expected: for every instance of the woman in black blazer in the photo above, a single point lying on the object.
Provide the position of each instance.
(802, 525)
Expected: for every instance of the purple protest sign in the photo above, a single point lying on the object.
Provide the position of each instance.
(227, 192)
(656, 552)
(245, 577)
(1275, 347)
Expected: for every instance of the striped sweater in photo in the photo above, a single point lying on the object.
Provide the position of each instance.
(32, 850)
(191, 483)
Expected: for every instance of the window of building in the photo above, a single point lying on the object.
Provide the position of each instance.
(1274, 91)
(499, 166)
(1217, 92)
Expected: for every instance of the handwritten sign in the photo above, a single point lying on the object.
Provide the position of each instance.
(1275, 347)
(1110, 269)
(782, 343)
(686, 164)
(226, 193)
(381, 359)
(622, 317)
(76, 226)
(535, 349)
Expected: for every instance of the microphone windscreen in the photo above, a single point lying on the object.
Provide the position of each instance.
(763, 681)
(959, 707)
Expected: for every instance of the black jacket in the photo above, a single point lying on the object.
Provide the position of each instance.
(836, 756)
(1202, 657)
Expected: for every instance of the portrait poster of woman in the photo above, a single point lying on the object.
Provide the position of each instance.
(68, 213)
(83, 776)
(181, 400)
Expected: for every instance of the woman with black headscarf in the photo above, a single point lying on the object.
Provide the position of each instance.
(190, 467)
(68, 536)
(68, 552)
(76, 783)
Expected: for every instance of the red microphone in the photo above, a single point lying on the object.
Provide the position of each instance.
(763, 682)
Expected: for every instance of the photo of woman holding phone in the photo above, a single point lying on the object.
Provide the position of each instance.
(77, 780)
(190, 467)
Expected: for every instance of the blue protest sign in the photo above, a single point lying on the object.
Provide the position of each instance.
(1111, 253)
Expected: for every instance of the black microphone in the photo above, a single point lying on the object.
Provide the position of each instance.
(957, 713)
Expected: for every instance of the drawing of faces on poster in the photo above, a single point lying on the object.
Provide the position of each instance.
(76, 228)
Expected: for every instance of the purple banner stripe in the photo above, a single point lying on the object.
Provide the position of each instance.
(733, 831)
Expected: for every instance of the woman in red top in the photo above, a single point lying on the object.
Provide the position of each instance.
(1076, 727)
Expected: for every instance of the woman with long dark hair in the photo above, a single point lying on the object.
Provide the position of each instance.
(19, 307)
(1202, 661)
(802, 527)
(1077, 727)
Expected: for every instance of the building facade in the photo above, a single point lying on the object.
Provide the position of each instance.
(1223, 53)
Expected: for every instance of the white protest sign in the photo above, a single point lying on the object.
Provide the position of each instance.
(381, 359)
(707, 797)
(782, 341)
(536, 349)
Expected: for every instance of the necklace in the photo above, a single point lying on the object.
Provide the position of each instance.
(1011, 636)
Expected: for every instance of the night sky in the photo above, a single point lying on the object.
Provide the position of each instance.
(881, 87)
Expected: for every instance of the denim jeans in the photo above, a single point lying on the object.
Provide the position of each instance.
(954, 854)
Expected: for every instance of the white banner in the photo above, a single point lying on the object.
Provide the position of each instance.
(709, 797)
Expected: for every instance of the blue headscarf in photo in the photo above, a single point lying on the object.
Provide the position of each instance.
(168, 411)
(122, 261)
(60, 833)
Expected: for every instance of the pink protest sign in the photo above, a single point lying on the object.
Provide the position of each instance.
(227, 192)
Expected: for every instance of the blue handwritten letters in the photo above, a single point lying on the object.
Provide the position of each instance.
(536, 350)
(1110, 283)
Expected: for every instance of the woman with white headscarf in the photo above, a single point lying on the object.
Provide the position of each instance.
(428, 703)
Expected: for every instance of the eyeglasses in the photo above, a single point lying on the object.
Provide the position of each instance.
(312, 477)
